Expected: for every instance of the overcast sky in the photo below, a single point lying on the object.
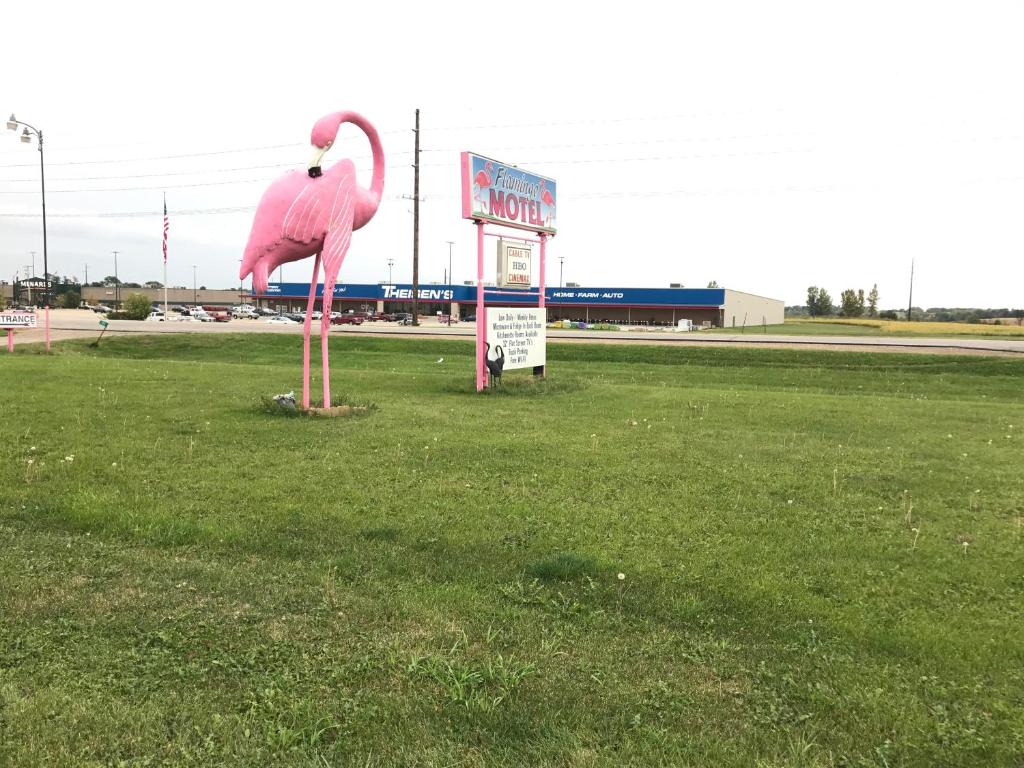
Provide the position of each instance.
(767, 146)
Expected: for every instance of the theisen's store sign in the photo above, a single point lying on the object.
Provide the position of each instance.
(496, 192)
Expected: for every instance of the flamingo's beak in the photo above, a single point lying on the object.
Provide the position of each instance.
(314, 161)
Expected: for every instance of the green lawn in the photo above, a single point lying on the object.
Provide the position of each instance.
(822, 553)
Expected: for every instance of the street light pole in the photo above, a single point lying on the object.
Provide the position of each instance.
(195, 293)
(26, 137)
(117, 283)
(451, 280)
(561, 261)
(391, 263)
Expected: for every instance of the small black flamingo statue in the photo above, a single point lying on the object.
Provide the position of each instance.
(495, 366)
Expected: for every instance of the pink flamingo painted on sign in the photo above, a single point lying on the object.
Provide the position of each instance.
(548, 200)
(314, 214)
(482, 181)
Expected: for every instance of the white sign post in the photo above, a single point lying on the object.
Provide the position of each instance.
(514, 260)
(521, 333)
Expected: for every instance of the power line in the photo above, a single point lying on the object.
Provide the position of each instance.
(583, 161)
(194, 173)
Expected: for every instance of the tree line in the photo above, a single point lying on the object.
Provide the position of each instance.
(852, 303)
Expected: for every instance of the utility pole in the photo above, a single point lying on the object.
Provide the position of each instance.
(910, 303)
(561, 261)
(86, 275)
(195, 295)
(451, 280)
(34, 264)
(117, 283)
(416, 226)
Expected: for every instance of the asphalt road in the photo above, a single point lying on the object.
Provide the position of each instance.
(72, 323)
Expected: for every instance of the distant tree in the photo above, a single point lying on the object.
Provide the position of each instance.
(824, 307)
(889, 314)
(202, 287)
(71, 299)
(137, 306)
(152, 284)
(873, 301)
(713, 284)
(111, 280)
(848, 303)
(130, 285)
(812, 300)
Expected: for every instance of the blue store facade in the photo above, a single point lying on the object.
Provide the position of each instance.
(710, 307)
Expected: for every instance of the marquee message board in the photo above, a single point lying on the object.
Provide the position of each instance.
(496, 192)
(514, 261)
(17, 319)
(522, 334)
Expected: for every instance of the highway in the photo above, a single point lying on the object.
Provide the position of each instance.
(66, 324)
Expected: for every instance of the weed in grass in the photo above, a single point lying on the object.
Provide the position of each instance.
(475, 684)
(380, 534)
(562, 566)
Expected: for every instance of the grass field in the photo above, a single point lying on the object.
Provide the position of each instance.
(854, 326)
(706, 557)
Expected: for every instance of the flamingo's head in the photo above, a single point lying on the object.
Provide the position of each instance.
(542, 185)
(325, 131)
(489, 166)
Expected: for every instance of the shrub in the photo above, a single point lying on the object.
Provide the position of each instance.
(137, 307)
(71, 300)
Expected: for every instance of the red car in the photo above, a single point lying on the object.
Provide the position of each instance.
(347, 320)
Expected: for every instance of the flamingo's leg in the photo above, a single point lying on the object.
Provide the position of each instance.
(325, 329)
(305, 333)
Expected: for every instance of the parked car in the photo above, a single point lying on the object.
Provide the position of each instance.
(201, 315)
(347, 319)
(266, 312)
(156, 316)
(102, 309)
(280, 320)
(469, 319)
(244, 312)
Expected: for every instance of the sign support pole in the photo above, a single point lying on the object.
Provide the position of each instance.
(481, 328)
(47, 322)
(10, 339)
(539, 370)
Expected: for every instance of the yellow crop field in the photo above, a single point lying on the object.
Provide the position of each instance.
(901, 327)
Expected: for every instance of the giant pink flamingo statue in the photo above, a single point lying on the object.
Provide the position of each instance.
(314, 213)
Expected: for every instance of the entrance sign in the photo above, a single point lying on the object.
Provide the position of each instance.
(17, 319)
(514, 264)
(521, 333)
(503, 194)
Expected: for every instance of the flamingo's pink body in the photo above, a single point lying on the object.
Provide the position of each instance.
(483, 181)
(304, 215)
(548, 200)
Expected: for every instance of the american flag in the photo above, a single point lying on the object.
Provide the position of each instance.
(167, 225)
